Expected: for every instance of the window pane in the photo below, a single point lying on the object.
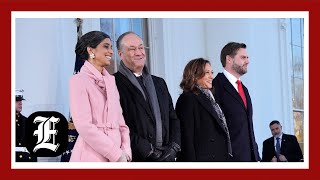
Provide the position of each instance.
(297, 62)
(121, 25)
(301, 144)
(296, 32)
(298, 125)
(302, 32)
(106, 26)
(137, 26)
(297, 78)
(298, 93)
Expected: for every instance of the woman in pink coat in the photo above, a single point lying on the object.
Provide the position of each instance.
(95, 105)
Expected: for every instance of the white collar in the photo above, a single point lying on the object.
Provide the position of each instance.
(232, 79)
(137, 75)
(280, 137)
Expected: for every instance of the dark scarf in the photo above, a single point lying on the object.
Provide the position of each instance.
(153, 98)
(218, 110)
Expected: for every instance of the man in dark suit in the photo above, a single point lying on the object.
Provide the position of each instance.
(281, 147)
(235, 102)
(22, 154)
(146, 104)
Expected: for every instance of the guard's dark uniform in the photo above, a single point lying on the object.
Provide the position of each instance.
(22, 156)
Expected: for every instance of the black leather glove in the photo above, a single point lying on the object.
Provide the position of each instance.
(154, 154)
(169, 152)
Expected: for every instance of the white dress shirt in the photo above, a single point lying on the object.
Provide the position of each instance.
(231, 79)
(275, 141)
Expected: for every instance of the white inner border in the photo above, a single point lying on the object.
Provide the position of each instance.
(163, 14)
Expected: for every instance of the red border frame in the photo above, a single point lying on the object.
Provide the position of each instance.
(7, 6)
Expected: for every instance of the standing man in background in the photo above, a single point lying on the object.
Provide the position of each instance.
(146, 103)
(235, 102)
(281, 147)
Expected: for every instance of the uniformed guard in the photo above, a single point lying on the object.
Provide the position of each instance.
(22, 154)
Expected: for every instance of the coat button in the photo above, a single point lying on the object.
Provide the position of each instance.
(150, 135)
(212, 140)
(20, 156)
(29, 157)
(19, 144)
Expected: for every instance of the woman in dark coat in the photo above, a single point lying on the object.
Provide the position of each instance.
(204, 132)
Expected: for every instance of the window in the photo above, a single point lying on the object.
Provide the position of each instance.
(297, 77)
(114, 27)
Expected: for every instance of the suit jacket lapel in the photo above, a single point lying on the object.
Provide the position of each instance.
(283, 142)
(273, 146)
(138, 95)
(249, 107)
(232, 91)
(208, 106)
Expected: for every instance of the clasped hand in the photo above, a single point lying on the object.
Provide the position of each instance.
(282, 158)
(166, 153)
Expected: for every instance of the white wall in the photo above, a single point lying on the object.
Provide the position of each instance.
(182, 40)
(44, 50)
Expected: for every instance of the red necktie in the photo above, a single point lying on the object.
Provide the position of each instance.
(240, 90)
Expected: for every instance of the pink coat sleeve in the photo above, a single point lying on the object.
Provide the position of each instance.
(80, 109)
(125, 135)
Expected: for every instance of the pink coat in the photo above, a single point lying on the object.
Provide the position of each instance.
(97, 116)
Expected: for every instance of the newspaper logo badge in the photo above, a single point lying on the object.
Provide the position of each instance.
(46, 134)
(46, 130)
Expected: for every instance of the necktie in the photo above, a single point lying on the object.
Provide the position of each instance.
(278, 148)
(241, 92)
(141, 82)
